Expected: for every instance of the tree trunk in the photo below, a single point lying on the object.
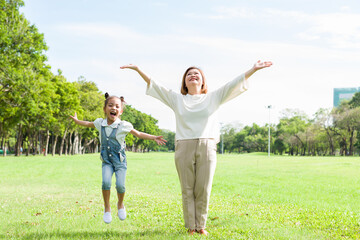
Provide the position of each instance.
(4, 147)
(66, 146)
(351, 144)
(96, 147)
(87, 145)
(8, 146)
(79, 148)
(54, 145)
(47, 142)
(29, 146)
(39, 143)
(75, 146)
(70, 143)
(332, 149)
(62, 142)
(2, 142)
(18, 141)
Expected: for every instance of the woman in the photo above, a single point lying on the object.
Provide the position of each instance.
(197, 133)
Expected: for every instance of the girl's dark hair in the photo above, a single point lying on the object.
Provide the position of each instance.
(108, 97)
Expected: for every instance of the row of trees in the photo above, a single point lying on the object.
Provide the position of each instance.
(329, 132)
(35, 104)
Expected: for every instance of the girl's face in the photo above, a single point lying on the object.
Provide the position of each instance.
(193, 78)
(113, 110)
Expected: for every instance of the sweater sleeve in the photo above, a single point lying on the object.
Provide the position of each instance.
(232, 89)
(168, 97)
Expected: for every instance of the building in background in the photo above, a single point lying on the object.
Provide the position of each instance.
(341, 94)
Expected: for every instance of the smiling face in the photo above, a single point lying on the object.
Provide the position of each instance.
(113, 109)
(193, 78)
(193, 82)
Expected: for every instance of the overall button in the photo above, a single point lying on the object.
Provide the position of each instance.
(107, 139)
(109, 155)
(108, 147)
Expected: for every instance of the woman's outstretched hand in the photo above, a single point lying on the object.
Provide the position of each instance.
(136, 68)
(257, 66)
(130, 66)
(260, 65)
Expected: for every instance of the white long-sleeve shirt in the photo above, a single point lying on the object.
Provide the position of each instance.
(196, 114)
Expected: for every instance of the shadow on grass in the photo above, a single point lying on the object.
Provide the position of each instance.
(108, 234)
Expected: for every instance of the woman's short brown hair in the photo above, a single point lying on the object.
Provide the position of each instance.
(184, 89)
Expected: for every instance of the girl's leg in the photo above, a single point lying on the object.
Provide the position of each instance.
(120, 174)
(106, 196)
(107, 172)
(121, 200)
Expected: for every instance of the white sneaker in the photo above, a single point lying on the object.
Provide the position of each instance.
(122, 213)
(107, 217)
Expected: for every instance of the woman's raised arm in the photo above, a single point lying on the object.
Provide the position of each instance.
(257, 66)
(136, 68)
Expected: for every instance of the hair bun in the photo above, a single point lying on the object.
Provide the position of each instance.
(122, 99)
(106, 95)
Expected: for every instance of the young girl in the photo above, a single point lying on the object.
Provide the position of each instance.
(112, 137)
(197, 134)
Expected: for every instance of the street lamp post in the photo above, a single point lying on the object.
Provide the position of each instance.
(269, 107)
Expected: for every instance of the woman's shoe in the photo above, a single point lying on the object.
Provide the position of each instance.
(203, 232)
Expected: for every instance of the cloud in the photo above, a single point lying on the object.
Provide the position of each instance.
(291, 83)
(226, 13)
(339, 29)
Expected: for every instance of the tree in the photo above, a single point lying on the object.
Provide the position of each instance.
(22, 62)
(291, 128)
(347, 119)
(324, 119)
(91, 107)
(355, 100)
(66, 101)
(170, 138)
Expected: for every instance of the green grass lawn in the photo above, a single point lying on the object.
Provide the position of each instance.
(253, 197)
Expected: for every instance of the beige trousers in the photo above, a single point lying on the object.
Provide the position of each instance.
(195, 161)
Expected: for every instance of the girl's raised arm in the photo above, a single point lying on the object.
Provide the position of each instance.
(158, 139)
(82, 123)
(135, 68)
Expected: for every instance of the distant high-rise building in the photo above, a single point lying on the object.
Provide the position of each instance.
(341, 94)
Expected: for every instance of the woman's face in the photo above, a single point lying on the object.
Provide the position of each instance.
(193, 78)
(113, 109)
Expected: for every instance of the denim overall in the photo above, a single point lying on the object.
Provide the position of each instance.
(113, 160)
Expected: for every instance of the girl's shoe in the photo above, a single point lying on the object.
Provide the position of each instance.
(191, 232)
(122, 213)
(107, 217)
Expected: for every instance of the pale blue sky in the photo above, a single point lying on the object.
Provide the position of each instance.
(314, 46)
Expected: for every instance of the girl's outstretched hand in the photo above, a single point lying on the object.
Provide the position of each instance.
(260, 65)
(130, 66)
(159, 140)
(74, 117)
